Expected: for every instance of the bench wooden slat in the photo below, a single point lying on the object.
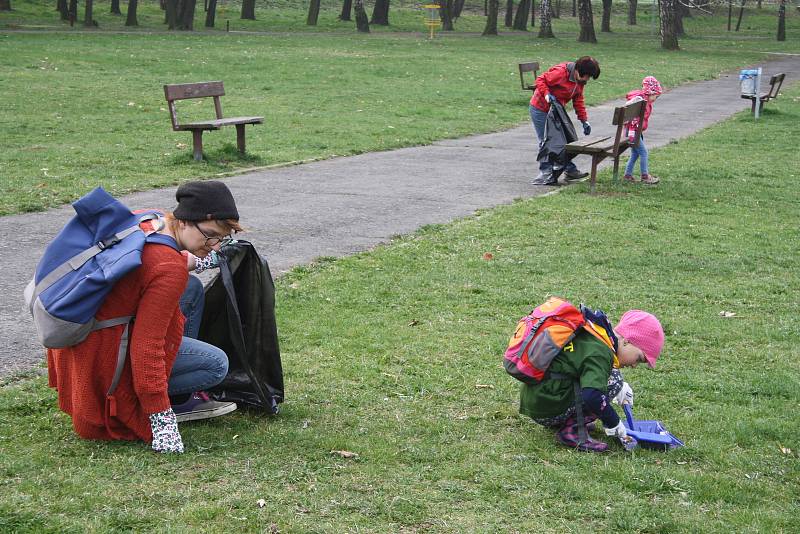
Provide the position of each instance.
(216, 124)
(182, 91)
(528, 67)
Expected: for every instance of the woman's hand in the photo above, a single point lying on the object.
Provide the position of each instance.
(166, 437)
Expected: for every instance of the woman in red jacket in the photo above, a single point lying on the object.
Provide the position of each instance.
(161, 362)
(563, 82)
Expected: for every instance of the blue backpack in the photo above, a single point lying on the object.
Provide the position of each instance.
(99, 245)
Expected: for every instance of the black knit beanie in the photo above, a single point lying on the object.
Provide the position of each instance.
(205, 201)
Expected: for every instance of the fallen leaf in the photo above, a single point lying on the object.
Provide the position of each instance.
(181, 145)
(235, 436)
(413, 322)
(261, 503)
(785, 450)
(484, 386)
(487, 256)
(305, 424)
(727, 314)
(345, 454)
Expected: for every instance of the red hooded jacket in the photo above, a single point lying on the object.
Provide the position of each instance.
(560, 81)
(648, 108)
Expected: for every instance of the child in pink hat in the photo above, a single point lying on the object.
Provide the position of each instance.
(637, 338)
(649, 92)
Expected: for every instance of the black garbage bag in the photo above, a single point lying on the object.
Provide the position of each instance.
(558, 132)
(239, 318)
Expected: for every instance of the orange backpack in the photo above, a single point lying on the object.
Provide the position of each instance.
(542, 335)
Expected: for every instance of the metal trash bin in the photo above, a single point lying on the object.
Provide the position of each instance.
(749, 80)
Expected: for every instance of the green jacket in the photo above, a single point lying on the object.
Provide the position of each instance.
(586, 358)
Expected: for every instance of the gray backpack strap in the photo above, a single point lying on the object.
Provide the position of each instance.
(123, 346)
(583, 435)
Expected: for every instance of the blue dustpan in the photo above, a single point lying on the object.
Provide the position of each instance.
(649, 434)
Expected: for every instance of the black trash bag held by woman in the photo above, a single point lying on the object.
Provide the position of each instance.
(239, 318)
(558, 132)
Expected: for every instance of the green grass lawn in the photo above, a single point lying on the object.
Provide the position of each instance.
(395, 355)
(83, 108)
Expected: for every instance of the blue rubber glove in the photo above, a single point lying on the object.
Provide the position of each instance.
(587, 128)
(551, 98)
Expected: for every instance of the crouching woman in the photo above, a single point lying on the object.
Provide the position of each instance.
(162, 362)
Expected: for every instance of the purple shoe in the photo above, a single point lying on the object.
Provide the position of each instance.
(568, 435)
(200, 406)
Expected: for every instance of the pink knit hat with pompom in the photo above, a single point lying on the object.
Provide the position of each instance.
(644, 331)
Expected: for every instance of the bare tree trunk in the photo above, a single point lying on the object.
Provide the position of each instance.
(186, 15)
(605, 24)
(545, 25)
(130, 19)
(5, 5)
(458, 8)
(362, 22)
(680, 11)
(88, 18)
(586, 22)
(171, 14)
(211, 13)
(782, 21)
(73, 11)
(533, 13)
(446, 14)
(521, 18)
(313, 13)
(380, 13)
(741, 12)
(62, 7)
(509, 13)
(491, 18)
(574, 8)
(347, 7)
(632, 5)
(248, 10)
(115, 7)
(556, 9)
(669, 39)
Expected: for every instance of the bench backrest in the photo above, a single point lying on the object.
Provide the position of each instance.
(624, 115)
(528, 67)
(775, 83)
(183, 91)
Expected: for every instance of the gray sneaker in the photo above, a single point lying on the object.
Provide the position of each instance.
(576, 175)
(200, 406)
(544, 179)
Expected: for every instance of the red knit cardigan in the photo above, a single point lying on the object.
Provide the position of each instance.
(82, 373)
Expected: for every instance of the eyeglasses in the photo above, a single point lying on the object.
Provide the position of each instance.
(213, 241)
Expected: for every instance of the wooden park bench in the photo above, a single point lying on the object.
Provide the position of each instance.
(602, 147)
(528, 67)
(775, 83)
(213, 90)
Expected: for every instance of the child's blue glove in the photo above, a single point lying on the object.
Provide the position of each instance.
(551, 98)
(587, 128)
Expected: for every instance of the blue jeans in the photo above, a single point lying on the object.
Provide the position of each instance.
(639, 152)
(198, 366)
(539, 118)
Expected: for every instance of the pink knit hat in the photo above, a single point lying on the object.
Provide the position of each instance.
(644, 331)
(651, 86)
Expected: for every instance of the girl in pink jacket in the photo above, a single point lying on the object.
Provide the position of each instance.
(649, 92)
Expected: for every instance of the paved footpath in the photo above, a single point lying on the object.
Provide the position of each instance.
(345, 205)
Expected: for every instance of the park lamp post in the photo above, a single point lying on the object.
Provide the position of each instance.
(432, 20)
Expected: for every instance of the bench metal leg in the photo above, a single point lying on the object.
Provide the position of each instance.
(197, 144)
(240, 137)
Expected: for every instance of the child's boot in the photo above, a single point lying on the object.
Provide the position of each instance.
(568, 435)
(649, 179)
